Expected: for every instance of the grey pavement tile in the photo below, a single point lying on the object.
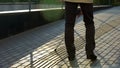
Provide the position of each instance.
(113, 59)
(96, 64)
(115, 65)
(103, 60)
(85, 62)
(108, 56)
(106, 66)
(117, 61)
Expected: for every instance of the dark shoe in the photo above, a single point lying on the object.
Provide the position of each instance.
(92, 57)
(71, 58)
(71, 54)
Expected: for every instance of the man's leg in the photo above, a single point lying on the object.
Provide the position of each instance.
(70, 16)
(87, 9)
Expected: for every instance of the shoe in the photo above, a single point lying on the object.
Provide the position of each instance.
(71, 58)
(71, 54)
(92, 58)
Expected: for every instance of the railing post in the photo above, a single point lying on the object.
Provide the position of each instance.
(30, 5)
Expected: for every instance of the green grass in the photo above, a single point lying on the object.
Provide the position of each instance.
(52, 15)
(116, 4)
(50, 2)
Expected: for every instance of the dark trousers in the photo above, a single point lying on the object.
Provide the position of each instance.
(70, 16)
